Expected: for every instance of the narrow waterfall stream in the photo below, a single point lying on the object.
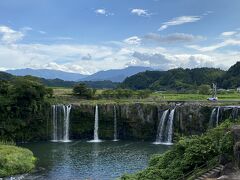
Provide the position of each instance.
(165, 128)
(60, 123)
(115, 124)
(96, 138)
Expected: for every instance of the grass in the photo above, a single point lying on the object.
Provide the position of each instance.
(15, 160)
(64, 95)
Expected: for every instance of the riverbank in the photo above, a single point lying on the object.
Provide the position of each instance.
(15, 160)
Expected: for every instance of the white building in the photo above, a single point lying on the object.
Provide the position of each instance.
(238, 89)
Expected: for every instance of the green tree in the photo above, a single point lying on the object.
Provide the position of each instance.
(81, 90)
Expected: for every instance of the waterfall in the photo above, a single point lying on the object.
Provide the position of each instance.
(96, 138)
(160, 130)
(211, 122)
(170, 126)
(60, 122)
(115, 123)
(165, 128)
(66, 113)
(54, 121)
(217, 114)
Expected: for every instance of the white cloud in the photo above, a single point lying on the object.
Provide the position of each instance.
(229, 33)
(141, 12)
(103, 12)
(167, 61)
(42, 32)
(9, 35)
(134, 40)
(179, 20)
(88, 59)
(228, 42)
(100, 11)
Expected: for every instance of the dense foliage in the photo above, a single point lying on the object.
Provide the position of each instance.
(22, 109)
(175, 79)
(15, 160)
(188, 154)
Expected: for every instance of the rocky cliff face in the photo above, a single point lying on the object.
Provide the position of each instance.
(137, 121)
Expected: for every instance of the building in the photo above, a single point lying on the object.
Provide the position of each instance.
(238, 89)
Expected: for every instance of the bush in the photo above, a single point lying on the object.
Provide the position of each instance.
(204, 89)
(188, 154)
(15, 160)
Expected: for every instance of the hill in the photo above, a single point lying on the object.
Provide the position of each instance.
(232, 77)
(175, 79)
(116, 75)
(47, 74)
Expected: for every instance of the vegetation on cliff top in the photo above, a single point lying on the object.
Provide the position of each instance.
(189, 153)
(22, 109)
(15, 160)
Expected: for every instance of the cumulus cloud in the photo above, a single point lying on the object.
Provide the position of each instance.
(141, 12)
(172, 38)
(169, 61)
(134, 40)
(155, 60)
(9, 35)
(179, 21)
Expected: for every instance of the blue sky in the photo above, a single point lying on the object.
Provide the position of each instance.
(86, 36)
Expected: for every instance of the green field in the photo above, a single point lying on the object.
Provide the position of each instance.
(64, 95)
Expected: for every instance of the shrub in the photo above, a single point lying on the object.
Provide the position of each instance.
(188, 154)
(15, 160)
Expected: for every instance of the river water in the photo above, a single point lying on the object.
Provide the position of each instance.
(80, 160)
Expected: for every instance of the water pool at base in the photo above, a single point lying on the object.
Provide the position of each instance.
(80, 160)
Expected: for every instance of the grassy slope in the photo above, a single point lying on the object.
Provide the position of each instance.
(15, 160)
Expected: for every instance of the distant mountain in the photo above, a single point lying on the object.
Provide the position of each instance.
(47, 74)
(116, 75)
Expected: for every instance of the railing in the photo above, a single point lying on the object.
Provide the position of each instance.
(200, 170)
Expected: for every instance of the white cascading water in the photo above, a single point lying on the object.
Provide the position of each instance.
(54, 121)
(217, 116)
(115, 124)
(60, 122)
(170, 126)
(96, 138)
(165, 128)
(211, 123)
(160, 130)
(66, 114)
